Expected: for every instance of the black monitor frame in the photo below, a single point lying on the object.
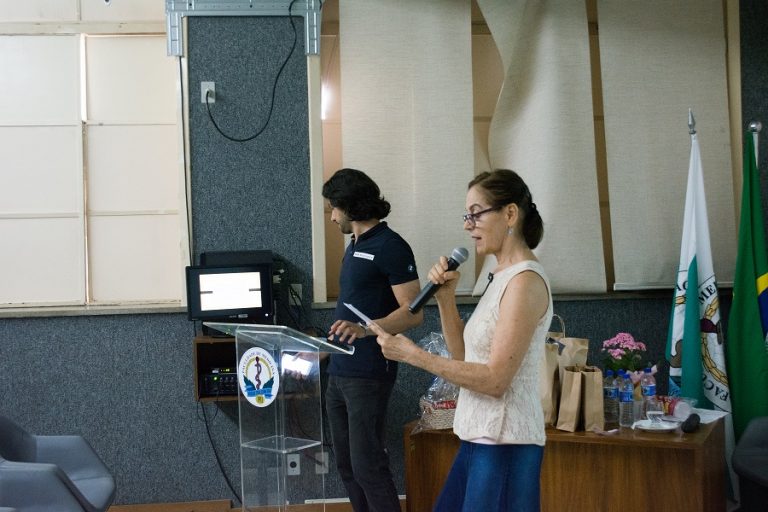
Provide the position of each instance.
(256, 315)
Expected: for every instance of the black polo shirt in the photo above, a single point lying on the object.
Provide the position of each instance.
(372, 264)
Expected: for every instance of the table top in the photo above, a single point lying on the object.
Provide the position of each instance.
(676, 438)
(626, 436)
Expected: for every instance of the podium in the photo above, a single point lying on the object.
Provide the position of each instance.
(282, 459)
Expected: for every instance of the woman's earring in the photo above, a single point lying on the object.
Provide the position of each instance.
(510, 231)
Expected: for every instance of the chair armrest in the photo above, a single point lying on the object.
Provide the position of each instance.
(93, 482)
(33, 486)
(73, 454)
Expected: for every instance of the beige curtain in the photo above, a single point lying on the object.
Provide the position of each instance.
(406, 96)
(543, 129)
(659, 58)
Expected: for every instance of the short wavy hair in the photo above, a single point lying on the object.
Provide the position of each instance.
(356, 194)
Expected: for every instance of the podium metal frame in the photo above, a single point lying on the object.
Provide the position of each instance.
(282, 458)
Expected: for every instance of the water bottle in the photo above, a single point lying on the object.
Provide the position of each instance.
(626, 400)
(610, 400)
(648, 389)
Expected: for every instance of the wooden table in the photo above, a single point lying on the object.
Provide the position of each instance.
(583, 471)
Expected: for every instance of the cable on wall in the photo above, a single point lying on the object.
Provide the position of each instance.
(215, 452)
(274, 90)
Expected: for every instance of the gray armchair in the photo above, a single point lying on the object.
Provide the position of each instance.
(750, 462)
(41, 473)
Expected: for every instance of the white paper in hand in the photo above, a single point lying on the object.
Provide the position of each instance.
(359, 313)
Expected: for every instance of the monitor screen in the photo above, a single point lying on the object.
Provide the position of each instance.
(237, 293)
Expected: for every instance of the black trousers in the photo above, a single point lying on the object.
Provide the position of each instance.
(357, 413)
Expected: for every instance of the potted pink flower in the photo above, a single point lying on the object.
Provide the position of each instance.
(624, 352)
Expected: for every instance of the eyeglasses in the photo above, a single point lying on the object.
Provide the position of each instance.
(471, 218)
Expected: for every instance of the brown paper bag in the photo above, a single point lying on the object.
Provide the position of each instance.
(559, 351)
(549, 376)
(592, 398)
(573, 353)
(581, 401)
(549, 383)
(569, 413)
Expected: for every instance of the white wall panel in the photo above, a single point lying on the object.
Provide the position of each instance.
(41, 170)
(123, 10)
(134, 258)
(130, 80)
(40, 80)
(42, 261)
(38, 10)
(133, 168)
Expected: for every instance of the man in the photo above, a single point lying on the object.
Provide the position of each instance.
(378, 277)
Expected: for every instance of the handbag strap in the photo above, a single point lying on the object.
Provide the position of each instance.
(562, 324)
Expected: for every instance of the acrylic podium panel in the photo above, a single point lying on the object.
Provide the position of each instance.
(280, 408)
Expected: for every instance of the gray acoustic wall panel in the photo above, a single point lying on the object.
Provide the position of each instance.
(255, 194)
(754, 76)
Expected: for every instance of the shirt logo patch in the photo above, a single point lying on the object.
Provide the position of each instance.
(364, 255)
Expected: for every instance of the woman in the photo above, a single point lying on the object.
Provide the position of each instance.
(494, 359)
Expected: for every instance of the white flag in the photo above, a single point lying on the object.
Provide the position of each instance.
(695, 348)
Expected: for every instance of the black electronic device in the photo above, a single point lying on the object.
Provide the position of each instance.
(237, 293)
(219, 382)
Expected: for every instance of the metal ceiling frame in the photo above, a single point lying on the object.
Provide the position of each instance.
(175, 10)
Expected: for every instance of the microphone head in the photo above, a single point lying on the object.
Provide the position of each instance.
(460, 255)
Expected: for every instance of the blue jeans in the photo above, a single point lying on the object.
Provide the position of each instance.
(357, 414)
(493, 478)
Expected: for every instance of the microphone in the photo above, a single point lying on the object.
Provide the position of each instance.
(458, 256)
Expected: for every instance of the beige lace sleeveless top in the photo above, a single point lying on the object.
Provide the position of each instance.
(516, 417)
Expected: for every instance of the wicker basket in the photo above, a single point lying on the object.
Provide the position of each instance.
(436, 415)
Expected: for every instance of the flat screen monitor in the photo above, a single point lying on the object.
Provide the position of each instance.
(237, 293)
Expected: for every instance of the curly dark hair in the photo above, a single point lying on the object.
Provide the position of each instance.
(502, 187)
(356, 194)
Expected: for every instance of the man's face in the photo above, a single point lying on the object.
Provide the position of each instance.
(339, 217)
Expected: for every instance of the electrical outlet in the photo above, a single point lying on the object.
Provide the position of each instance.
(294, 296)
(204, 88)
(321, 466)
(293, 464)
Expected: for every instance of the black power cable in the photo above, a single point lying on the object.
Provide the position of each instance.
(216, 453)
(274, 89)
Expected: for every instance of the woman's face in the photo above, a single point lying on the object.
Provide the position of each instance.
(487, 226)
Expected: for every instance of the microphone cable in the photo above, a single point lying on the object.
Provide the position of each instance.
(490, 280)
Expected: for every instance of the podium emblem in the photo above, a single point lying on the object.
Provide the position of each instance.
(258, 377)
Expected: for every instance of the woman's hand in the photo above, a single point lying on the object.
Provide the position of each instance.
(447, 279)
(394, 348)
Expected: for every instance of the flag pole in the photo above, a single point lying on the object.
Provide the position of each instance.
(755, 127)
(691, 123)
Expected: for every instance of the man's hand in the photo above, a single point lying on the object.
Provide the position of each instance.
(346, 331)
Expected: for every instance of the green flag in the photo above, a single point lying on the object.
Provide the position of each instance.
(746, 343)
